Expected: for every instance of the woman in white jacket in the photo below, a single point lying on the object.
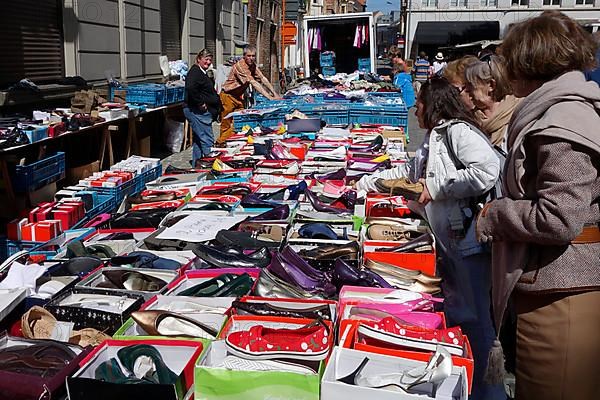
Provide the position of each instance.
(456, 165)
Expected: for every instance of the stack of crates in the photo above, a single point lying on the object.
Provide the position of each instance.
(327, 62)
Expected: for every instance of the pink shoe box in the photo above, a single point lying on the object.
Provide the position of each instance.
(192, 278)
(180, 357)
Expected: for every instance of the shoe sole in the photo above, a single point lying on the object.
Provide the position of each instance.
(408, 342)
(275, 354)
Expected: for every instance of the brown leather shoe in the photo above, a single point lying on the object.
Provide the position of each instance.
(396, 233)
(331, 252)
(400, 187)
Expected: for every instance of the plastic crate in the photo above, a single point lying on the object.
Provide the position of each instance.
(327, 59)
(364, 64)
(175, 94)
(332, 114)
(105, 204)
(10, 247)
(396, 115)
(330, 97)
(328, 71)
(27, 178)
(152, 94)
(117, 193)
(386, 94)
(254, 120)
(142, 179)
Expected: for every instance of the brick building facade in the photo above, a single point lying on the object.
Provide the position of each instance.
(264, 22)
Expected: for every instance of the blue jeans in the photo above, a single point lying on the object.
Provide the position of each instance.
(203, 139)
(480, 328)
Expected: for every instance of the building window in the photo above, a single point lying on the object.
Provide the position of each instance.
(430, 3)
(523, 3)
(458, 3)
(32, 39)
(489, 3)
(551, 3)
(584, 2)
(170, 29)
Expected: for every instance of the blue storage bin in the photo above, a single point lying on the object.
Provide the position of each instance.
(332, 113)
(364, 64)
(104, 204)
(27, 178)
(267, 120)
(35, 133)
(328, 71)
(142, 179)
(152, 94)
(393, 115)
(327, 59)
(175, 94)
(117, 193)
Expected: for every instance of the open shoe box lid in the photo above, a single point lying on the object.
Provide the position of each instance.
(344, 361)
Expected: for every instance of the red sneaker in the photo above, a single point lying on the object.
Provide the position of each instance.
(390, 331)
(307, 343)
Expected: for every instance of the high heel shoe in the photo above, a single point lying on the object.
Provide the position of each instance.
(320, 206)
(421, 244)
(435, 372)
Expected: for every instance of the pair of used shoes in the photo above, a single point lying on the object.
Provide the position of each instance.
(437, 369)
(38, 323)
(420, 244)
(311, 342)
(166, 323)
(390, 331)
(393, 233)
(128, 279)
(412, 280)
(224, 285)
(266, 309)
(142, 364)
(227, 259)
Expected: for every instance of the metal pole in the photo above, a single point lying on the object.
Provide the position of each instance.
(407, 30)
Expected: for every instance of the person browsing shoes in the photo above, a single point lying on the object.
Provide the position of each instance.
(454, 166)
(202, 105)
(243, 74)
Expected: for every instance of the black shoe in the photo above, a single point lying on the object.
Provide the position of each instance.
(244, 240)
(221, 259)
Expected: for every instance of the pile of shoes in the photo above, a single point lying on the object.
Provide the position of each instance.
(260, 273)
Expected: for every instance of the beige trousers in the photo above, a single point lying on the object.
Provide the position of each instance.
(558, 346)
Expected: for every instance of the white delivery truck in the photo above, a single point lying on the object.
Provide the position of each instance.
(338, 43)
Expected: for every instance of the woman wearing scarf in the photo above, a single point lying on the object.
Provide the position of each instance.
(491, 93)
(544, 233)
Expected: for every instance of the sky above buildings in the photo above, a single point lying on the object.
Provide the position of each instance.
(384, 6)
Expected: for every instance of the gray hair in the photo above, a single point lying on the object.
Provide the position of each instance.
(204, 53)
(249, 49)
(482, 72)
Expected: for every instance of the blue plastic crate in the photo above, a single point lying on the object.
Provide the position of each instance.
(364, 64)
(11, 247)
(27, 178)
(142, 179)
(175, 94)
(395, 115)
(152, 94)
(327, 59)
(330, 97)
(386, 94)
(105, 204)
(328, 71)
(117, 193)
(267, 120)
(332, 113)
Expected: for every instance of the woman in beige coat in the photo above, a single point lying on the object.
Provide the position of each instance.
(490, 90)
(544, 233)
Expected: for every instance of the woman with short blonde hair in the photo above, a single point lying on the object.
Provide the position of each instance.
(489, 87)
(455, 74)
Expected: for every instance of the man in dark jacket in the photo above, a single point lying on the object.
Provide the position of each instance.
(203, 105)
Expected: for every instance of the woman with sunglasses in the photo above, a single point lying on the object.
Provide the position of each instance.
(455, 165)
(489, 88)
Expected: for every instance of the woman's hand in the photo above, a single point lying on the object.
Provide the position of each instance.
(425, 196)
